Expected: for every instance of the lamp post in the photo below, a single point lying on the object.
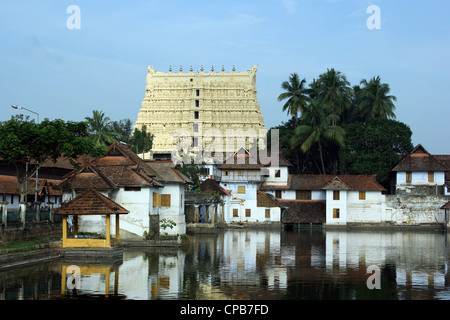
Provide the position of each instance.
(19, 107)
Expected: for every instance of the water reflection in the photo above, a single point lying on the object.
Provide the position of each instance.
(251, 264)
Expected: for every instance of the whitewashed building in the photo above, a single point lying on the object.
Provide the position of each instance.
(242, 175)
(151, 191)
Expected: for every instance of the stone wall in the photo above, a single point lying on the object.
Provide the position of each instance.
(32, 231)
(412, 209)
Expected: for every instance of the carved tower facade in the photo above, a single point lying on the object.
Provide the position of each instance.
(205, 109)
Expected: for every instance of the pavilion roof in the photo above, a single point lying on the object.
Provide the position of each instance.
(90, 202)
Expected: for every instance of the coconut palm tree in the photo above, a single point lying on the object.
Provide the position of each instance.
(296, 94)
(100, 128)
(334, 92)
(317, 126)
(374, 101)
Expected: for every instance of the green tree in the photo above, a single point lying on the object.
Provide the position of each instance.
(23, 141)
(100, 129)
(296, 94)
(374, 147)
(124, 130)
(141, 140)
(374, 101)
(334, 92)
(316, 127)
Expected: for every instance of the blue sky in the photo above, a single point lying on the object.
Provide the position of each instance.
(63, 73)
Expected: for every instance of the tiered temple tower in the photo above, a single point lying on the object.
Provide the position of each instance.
(198, 103)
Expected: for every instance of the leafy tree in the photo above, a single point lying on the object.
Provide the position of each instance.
(124, 130)
(374, 101)
(374, 147)
(23, 141)
(141, 140)
(192, 171)
(316, 127)
(100, 129)
(296, 94)
(334, 92)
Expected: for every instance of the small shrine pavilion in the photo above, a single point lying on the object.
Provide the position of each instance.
(90, 202)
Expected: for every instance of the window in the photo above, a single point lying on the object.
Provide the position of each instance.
(267, 213)
(430, 176)
(241, 189)
(408, 177)
(204, 171)
(336, 213)
(195, 142)
(156, 199)
(132, 188)
(197, 103)
(235, 212)
(277, 173)
(226, 173)
(165, 200)
(336, 195)
(303, 195)
(195, 114)
(278, 194)
(248, 212)
(362, 195)
(197, 92)
(195, 129)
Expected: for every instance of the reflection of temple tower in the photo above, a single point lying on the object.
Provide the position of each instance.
(199, 104)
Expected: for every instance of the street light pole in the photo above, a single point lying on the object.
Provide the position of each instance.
(36, 191)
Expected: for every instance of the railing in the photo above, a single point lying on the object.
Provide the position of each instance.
(30, 216)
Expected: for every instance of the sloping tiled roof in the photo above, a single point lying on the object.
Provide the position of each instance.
(446, 206)
(10, 185)
(90, 202)
(420, 160)
(121, 167)
(243, 159)
(303, 211)
(358, 182)
(210, 185)
(166, 172)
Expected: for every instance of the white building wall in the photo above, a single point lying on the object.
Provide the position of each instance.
(370, 210)
(175, 212)
(282, 180)
(340, 204)
(421, 177)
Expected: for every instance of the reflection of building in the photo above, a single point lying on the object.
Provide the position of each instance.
(198, 103)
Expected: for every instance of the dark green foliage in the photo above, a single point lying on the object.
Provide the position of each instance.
(374, 147)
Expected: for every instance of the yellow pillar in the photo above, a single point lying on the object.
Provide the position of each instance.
(108, 231)
(64, 226)
(117, 227)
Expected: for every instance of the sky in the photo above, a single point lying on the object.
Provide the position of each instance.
(63, 64)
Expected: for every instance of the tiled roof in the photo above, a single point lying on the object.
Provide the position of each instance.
(242, 159)
(446, 206)
(212, 186)
(166, 172)
(10, 185)
(90, 202)
(303, 211)
(420, 160)
(121, 167)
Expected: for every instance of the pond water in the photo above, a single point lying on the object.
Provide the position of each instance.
(255, 265)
